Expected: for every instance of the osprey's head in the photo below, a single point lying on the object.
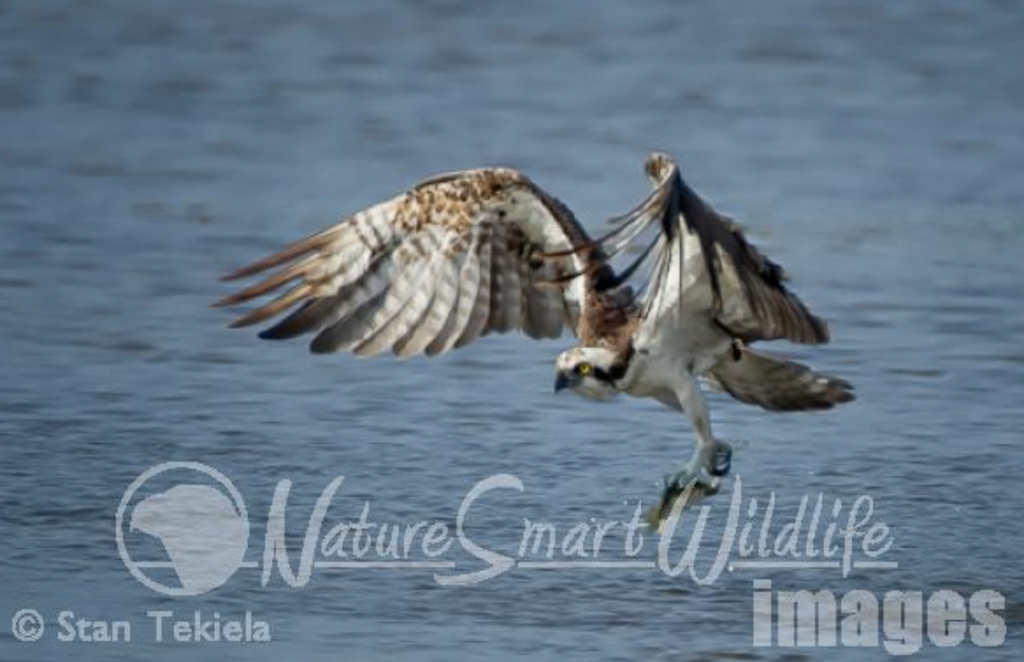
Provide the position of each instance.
(589, 371)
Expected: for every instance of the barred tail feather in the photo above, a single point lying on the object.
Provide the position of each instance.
(776, 384)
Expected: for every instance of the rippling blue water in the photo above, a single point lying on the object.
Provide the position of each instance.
(875, 149)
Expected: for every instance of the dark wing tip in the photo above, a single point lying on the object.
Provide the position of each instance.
(255, 317)
(845, 396)
(273, 333)
(812, 330)
(837, 391)
(310, 316)
(821, 330)
(237, 274)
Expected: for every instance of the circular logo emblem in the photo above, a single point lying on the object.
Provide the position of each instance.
(198, 519)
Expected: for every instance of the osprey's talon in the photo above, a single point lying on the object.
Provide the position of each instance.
(700, 478)
(704, 482)
(692, 483)
(721, 462)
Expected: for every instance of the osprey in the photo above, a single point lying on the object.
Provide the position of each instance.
(474, 252)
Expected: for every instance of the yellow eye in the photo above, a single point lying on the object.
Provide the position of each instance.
(584, 369)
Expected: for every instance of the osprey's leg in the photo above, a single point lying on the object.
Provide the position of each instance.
(711, 458)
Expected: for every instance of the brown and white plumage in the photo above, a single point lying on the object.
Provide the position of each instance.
(777, 384)
(702, 262)
(455, 258)
(469, 253)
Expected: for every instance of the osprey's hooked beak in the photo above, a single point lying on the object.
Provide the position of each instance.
(564, 381)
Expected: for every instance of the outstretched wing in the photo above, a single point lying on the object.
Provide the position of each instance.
(702, 263)
(453, 259)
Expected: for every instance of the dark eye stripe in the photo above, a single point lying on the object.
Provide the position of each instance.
(616, 372)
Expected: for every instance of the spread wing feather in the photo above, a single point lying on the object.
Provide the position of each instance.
(438, 310)
(453, 259)
(701, 262)
(465, 299)
(480, 304)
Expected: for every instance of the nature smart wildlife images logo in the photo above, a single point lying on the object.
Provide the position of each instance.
(202, 526)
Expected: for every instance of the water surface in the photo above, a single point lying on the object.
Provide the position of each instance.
(874, 149)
